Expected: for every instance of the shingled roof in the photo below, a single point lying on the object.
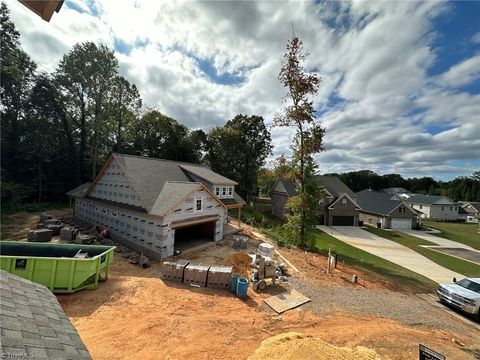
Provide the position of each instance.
(79, 191)
(335, 186)
(426, 199)
(377, 202)
(33, 325)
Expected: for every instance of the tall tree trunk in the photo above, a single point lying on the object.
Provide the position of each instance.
(83, 138)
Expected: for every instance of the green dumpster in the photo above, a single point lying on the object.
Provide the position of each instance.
(55, 265)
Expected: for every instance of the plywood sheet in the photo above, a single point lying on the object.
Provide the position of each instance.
(286, 301)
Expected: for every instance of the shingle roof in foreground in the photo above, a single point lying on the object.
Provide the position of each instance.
(33, 325)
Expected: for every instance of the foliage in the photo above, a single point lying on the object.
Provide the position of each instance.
(299, 112)
(238, 150)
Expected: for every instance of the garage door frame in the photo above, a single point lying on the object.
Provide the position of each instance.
(401, 221)
(346, 220)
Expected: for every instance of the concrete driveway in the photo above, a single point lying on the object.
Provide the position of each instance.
(434, 239)
(391, 251)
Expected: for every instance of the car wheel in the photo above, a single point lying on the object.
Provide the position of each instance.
(262, 285)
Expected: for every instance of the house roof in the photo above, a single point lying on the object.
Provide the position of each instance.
(207, 174)
(335, 186)
(475, 205)
(462, 211)
(377, 202)
(425, 199)
(171, 194)
(79, 191)
(34, 324)
(237, 200)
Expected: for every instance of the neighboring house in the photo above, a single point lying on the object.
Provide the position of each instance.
(33, 324)
(395, 190)
(337, 205)
(386, 210)
(473, 210)
(435, 207)
(157, 206)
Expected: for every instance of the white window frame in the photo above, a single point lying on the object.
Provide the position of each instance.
(224, 191)
(217, 190)
(230, 191)
(321, 202)
(201, 204)
(344, 202)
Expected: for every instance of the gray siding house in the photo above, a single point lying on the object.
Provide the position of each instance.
(157, 206)
(386, 211)
(436, 207)
(337, 206)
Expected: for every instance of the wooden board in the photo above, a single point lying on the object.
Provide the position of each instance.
(286, 301)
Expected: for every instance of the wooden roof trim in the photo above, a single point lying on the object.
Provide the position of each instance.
(99, 175)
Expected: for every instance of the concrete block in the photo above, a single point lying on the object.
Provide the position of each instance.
(174, 271)
(45, 216)
(52, 221)
(196, 273)
(40, 235)
(240, 242)
(55, 229)
(219, 276)
(68, 234)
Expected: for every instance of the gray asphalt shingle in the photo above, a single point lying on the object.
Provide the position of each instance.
(33, 324)
(377, 202)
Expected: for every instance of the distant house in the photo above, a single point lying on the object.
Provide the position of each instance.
(396, 190)
(473, 210)
(386, 210)
(337, 205)
(157, 206)
(435, 207)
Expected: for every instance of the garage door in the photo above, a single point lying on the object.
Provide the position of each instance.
(321, 220)
(342, 221)
(399, 223)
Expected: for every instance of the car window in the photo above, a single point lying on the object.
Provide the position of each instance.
(470, 285)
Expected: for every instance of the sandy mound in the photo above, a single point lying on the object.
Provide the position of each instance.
(296, 346)
(240, 262)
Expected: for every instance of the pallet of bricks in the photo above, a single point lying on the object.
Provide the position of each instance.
(197, 274)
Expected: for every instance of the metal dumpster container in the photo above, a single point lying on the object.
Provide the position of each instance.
(55, 265)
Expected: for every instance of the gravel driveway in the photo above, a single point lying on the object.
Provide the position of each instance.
(408, 310)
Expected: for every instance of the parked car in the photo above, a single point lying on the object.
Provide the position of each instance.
(463, 295)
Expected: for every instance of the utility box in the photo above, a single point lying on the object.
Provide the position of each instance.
(40, 235)
(174, 271)
(196, 273)
(219, 276)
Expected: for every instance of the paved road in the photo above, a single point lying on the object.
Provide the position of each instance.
(435, 239)
(391, 251)
(467, 254)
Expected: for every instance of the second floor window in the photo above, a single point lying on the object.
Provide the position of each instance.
(224, 191)
(217, 190)
(230, 191)
(198, 204)
(344, 202)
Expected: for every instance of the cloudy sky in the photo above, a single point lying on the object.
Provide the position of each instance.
(400, 85)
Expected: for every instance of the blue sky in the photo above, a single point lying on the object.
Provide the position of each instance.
(400, 86)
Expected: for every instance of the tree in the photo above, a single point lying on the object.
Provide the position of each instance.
(238, 150)
(299, 112)
(16, 78)
(160, 136)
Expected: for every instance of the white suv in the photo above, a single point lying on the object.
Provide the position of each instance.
(463, 295)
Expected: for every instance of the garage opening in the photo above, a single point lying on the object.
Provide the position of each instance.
(321, 220)
(188, 236)
(343, 220)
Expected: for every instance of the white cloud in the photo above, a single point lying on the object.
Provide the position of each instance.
(373, 56)
(476, 38)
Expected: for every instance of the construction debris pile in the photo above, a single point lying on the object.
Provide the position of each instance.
(297, 346)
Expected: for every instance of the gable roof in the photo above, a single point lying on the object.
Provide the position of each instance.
(79, 191)
(378, 202)
(33, 322)
(288, 185)
(425, 199)
(334, 186)
(474, 204)
(160, 184)
(207, 174)
(332, 205)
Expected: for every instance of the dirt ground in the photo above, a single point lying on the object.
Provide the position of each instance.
(20, 223)
(135, 315)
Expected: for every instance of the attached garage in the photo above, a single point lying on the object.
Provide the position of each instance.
(321, 220)
(343, 220)
(401, 223)
(193, 232)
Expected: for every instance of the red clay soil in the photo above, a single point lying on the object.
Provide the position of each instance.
(135, 315)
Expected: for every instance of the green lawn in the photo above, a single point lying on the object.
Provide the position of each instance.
(462, 232)
(361, 259)
(450, 262)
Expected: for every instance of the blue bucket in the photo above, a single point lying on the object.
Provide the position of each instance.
(233, 282)
(242, 287)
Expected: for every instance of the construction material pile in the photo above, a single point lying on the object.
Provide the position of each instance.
(297, 346)
(241, 263)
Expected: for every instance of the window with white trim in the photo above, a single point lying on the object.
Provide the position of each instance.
(198, 204)
(230, 191)
(224, 191)
(344, 202)
(217, 190)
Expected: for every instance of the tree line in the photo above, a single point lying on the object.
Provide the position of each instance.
(58, 128)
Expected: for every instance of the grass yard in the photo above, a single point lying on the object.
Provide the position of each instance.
(362, 259)
(462, 232)
(458, 265)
